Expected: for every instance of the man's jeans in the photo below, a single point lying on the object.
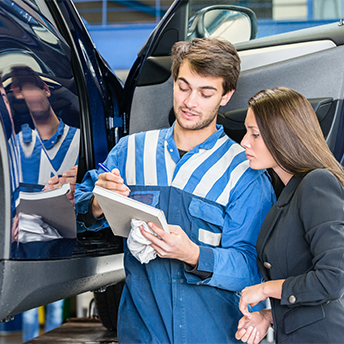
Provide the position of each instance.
(53, 319)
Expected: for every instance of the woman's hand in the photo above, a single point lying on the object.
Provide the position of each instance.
(251, 296)
(259, 292)
(252, 330)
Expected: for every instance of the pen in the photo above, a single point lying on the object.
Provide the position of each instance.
(103, 167)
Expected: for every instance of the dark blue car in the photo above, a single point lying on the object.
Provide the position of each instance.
(63, 108)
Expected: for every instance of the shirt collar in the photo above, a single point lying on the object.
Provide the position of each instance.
(59, 132)
(288, 191)
(27, 134)
(207, 144)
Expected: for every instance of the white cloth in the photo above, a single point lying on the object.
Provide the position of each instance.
(138, 245)
(33, 228)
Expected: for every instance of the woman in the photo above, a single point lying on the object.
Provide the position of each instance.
(301, 243)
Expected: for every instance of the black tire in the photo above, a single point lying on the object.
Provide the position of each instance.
(107, 303)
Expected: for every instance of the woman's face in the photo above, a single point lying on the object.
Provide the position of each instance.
(255, 148)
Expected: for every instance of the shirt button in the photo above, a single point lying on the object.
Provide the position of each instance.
(267, 265)
(171, 150)
(292, 299)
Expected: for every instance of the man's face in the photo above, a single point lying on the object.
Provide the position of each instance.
(36, 100)
(197, 99)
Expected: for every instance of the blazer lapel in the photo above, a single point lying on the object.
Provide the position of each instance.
(274, 214)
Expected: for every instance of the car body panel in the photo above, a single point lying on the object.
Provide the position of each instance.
(80, 275)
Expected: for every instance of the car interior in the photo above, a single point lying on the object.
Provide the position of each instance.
(305, 70)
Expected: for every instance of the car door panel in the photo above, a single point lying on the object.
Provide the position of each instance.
(48, 284)
(307, 74)
(54, 94)
(233, 121)
(151, 106)
(259, 57)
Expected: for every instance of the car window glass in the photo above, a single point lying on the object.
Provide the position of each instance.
(280, 16)
(40, 113)
(111, 23)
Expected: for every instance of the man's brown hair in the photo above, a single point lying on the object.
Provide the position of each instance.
(208, 57)
(22, 75)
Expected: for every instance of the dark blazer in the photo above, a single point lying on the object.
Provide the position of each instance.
(302, 241)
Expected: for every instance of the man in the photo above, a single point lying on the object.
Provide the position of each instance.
(213, 201)
(52, 148)
(46, 152)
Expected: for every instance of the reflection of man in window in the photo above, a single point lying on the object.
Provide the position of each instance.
(52, 147)
(49, 149)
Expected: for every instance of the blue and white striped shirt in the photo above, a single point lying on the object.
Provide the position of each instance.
(41, 160)
(220, 203)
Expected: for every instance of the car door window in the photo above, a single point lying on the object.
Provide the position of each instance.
(41, 121)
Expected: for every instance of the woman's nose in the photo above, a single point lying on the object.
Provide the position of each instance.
(244, 142)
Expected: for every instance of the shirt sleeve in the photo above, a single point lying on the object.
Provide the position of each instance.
(233, 264)
(84, 194)
(195, 270)
(83, 199)
(322, 215)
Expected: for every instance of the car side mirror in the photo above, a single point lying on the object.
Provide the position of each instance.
(233, 23)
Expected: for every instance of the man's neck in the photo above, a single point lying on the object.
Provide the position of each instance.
(187, 139)
(47, 127)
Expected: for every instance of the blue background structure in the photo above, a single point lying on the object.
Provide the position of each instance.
(120, 44)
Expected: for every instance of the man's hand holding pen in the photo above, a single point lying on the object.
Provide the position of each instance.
(67, 177)
(111, 181)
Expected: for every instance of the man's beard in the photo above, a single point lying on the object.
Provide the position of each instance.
(200, 124)
(40, 114)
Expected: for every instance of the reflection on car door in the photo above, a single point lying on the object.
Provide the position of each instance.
(42, 128)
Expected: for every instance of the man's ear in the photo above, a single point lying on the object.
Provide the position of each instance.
(46, 90)
(226, 97)
(17, 92)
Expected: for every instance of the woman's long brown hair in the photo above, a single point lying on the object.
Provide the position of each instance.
(291, 132)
